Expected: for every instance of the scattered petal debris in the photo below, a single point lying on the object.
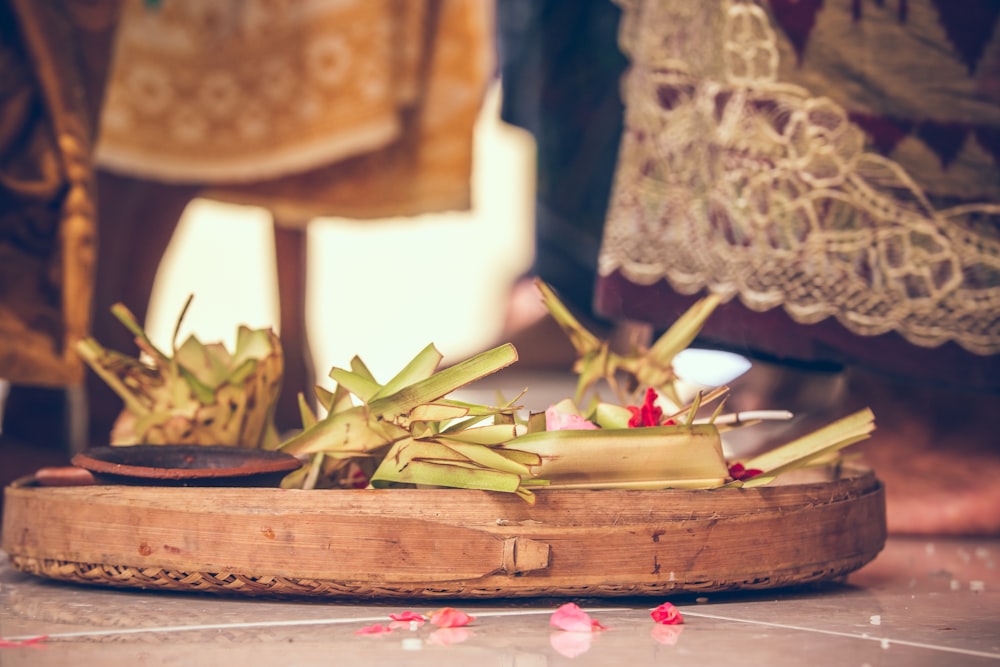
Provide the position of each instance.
(18, 643)
(409, 620)
(449, 617)
(667, 614)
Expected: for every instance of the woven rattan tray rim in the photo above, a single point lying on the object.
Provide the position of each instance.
(769, 539)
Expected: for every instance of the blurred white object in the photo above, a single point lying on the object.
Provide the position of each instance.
(709, 368)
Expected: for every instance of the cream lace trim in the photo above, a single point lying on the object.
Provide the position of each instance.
(733, 180)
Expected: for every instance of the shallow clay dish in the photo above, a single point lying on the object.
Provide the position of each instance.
(183, 465)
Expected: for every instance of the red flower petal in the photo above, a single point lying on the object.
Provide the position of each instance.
(450, 618)
(650, 414)
(33, 641)
(377, 629)
(739, 473)
(635, 421)
(667, 614)
(571, 618)
(359, 479)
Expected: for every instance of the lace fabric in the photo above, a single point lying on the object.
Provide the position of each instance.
(736, 178)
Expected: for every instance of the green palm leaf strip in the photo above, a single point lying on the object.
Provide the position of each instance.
(811, 449)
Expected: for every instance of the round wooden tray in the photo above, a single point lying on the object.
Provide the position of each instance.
(448, 543)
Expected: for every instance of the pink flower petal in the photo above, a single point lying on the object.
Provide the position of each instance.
(449, 636)
(667, 614)
(33, 641)
(571, 618)
(571, 644)
(556, 420)
(449, 617)
(666, 634)
(377, 629)
(407, 616)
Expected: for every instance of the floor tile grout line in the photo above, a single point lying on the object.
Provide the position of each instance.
(270, 624)
(852, 635)
(166, 629)
(493, 614)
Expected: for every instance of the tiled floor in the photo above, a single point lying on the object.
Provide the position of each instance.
(920, 602)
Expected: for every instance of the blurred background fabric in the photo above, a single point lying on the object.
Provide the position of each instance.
(53, 60)
(361, 109)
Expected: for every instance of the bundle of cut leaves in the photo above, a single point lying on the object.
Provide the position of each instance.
(200, 394)
(410, 432)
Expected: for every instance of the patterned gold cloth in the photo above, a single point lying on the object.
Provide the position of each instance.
(835, 159)
(358, 108)
(53, 59)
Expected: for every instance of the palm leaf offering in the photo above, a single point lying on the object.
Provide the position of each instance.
(199, 394)
(409, 431)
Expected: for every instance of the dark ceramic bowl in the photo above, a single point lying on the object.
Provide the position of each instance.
(186, 465)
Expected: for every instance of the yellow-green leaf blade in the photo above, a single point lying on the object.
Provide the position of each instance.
(834, 436)
(419, 368)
